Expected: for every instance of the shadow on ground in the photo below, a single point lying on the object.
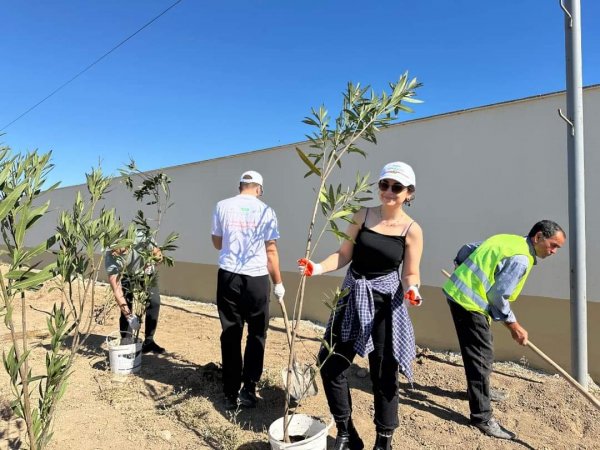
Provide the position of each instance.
(188, 380)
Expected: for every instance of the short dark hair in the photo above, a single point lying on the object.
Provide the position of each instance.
(248, 185)
(548, 228)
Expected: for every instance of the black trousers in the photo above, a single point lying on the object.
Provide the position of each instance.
(242, 299)
(151, 319)
(477, 350)
(382, 365)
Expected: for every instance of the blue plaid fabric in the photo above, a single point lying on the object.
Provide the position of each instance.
(358, 313)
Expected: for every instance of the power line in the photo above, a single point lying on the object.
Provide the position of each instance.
(90, 66)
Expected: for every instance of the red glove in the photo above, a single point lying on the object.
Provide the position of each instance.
(309, 268)
(413, 296)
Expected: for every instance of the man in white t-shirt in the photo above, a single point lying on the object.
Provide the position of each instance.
(244, 229)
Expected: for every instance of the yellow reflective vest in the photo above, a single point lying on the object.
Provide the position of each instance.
(470, 282)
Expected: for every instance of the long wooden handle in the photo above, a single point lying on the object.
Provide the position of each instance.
(564, 373)
(286, 321)
(560, 370)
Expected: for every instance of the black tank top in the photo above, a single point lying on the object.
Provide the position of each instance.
(377, 254)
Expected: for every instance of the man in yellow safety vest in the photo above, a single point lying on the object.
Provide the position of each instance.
(488, 276)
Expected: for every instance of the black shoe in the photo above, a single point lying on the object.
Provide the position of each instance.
(248, 398)
(151, 346)
(230, 402)
(494, 429)
(347, 437)
(498, 396)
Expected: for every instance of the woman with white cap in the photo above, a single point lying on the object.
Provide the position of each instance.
(372, 319)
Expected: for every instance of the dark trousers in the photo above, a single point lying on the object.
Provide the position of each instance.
(151, 319)
(476, 347)
(242, 298)
(382, 365)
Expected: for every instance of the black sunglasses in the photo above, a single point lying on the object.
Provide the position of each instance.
(396, 187)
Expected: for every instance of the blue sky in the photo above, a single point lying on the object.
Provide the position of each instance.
(210, 79)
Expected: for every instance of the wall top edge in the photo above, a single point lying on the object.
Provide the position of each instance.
(406, 122)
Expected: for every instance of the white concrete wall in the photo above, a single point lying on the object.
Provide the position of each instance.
(495, 169)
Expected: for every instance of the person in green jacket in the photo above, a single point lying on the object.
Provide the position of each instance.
(488, 276)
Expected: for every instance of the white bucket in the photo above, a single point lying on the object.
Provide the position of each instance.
(314, 429)
(124, 355)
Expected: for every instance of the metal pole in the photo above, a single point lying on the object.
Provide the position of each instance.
(577, 252)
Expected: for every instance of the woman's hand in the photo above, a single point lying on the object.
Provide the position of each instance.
(308, 268)
(413, 296)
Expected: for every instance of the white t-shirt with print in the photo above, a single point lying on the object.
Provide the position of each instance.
(244, 222)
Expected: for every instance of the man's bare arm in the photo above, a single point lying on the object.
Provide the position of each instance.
(217, 241)
(115, 284)
(273, 261)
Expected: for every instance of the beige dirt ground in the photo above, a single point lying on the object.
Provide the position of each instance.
(175, 401)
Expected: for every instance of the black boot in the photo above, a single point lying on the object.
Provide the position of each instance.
(383, 441)
(347, 437)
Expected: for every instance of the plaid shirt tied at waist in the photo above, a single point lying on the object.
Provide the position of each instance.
(359, 311)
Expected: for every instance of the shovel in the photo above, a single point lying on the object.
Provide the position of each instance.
(303, 381)
(559, 369)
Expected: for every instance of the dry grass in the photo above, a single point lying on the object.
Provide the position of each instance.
(196, 413)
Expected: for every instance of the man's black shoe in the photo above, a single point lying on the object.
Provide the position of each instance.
(151, 346)
(248, 398)
(494, 429)
(230, 402)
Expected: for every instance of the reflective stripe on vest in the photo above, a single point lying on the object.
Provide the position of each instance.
(468, 291)
(470, 282)
(479, 273)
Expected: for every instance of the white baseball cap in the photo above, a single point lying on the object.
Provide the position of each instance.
(251, 176)
(399, 171)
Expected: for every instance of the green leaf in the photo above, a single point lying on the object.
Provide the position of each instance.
(36, 378)
(9, 202)
(33, 279)
(341, 235)
(323, 195)
(5, 170)
(354, 149)
(30, 254)
(411, 100)
(36, 213)
(339, 214)
(308, 162)
(22, 218)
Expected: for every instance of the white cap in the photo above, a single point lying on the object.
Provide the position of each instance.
(251, 176)
(399, 171)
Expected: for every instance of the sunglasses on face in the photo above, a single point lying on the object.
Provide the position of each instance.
(396, 187)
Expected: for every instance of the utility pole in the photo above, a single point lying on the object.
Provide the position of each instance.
(577, 250)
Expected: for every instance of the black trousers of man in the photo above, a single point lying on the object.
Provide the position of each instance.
(382, 365)
(242, 299)
(476, 346)
(152, 311)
